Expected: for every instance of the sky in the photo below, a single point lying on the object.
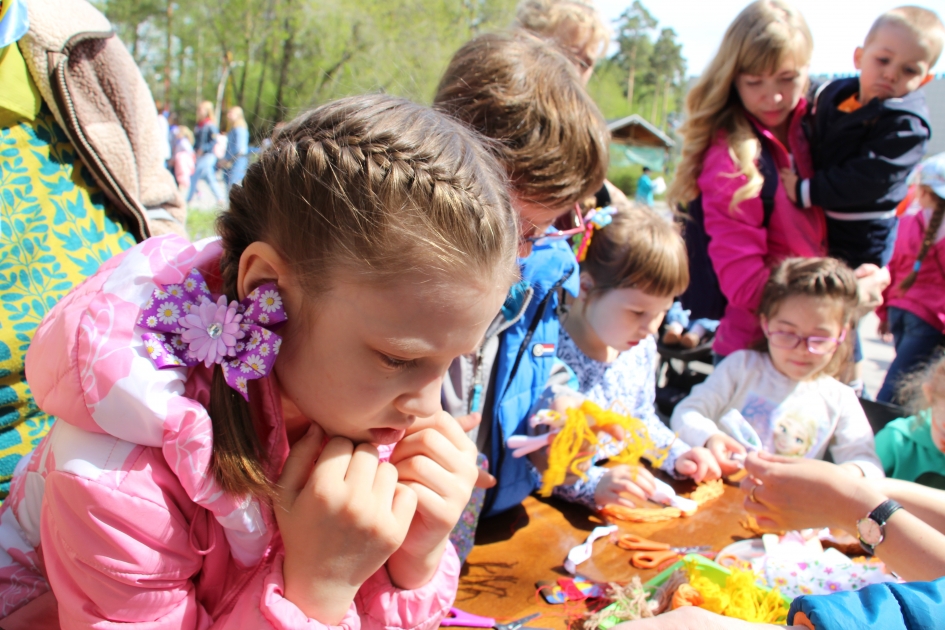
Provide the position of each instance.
(838, 26)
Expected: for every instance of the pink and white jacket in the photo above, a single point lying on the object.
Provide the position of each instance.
(116, 510)
(925, 298)
(742, 250)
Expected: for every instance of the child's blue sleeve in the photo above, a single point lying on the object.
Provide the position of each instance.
(911, 606)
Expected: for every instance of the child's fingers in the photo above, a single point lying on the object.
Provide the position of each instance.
(403, 507)
(687, 467)
(298, 466)
(437, 447)
(362, 468)
(628, 487)
(470, 421)
(485, 480)
(332, 464)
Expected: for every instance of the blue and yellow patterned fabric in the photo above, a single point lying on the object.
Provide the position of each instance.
(55, 231)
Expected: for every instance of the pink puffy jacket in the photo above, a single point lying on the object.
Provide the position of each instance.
(742, 250)
(116, 510)
(925, 298)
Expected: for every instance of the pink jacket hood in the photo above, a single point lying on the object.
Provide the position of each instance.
(88, 366)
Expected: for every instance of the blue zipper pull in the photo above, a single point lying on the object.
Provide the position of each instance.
(476, 403)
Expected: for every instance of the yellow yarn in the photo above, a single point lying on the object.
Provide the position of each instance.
(565, 453)
(740, 598)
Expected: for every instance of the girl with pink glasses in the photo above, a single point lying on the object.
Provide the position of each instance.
(781, 396)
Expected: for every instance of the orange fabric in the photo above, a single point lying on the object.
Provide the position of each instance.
(850, 105)
(800, 619)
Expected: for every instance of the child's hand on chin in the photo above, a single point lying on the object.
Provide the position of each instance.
(341, 514)
(623, 480)
(699, 464)
(437, 462)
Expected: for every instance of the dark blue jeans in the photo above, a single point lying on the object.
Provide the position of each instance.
(916, 343)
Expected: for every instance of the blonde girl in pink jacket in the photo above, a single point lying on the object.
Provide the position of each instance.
(751, 92)
(250, 432)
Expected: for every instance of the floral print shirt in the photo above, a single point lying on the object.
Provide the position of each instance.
(629, 381)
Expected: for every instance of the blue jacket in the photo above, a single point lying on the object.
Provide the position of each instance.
(526, 355)
(911, 606)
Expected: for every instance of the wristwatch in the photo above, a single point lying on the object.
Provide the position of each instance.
(871, 529)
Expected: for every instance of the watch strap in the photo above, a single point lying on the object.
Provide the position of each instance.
(883, 511)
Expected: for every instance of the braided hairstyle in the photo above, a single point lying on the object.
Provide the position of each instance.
(371, 184)
(938, 213)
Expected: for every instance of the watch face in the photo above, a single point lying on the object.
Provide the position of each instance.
(870, 531)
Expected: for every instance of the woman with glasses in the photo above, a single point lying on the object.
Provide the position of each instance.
(782, 397)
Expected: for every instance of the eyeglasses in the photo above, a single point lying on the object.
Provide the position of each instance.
(562, 234)
(815, 344)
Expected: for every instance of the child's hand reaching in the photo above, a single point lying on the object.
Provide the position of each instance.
(789, 179)
(723, 447)
(341, 513)
(438, 462)
(700, 464)
(620, 481)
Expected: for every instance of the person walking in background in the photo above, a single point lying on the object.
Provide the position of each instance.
(645, 188)
(205, 136)
(184, 160)
(913, 309)
(237, 148)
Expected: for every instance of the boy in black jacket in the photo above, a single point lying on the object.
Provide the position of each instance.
(868, 133)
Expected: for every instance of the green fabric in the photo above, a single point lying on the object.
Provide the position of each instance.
(55, 231)
(625, 155)
(19, 97)
(907, 451)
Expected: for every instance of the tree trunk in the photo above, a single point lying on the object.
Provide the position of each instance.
(262, 78)
(656, 101)
(287, 48)
(631, 77)
(666, 92)
(168, 57)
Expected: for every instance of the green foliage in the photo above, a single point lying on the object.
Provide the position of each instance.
(625, 178)
(288, 55)
(200, 223)
(651, 71)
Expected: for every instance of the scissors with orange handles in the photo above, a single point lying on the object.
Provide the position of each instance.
(633, 542)
(657, 558)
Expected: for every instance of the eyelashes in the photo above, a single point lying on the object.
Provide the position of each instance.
(396, 364)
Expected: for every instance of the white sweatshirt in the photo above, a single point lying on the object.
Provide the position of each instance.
(799, 418)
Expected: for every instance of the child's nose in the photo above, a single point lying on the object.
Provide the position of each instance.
(423, 401)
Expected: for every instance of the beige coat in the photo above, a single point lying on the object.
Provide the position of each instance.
(96, 92)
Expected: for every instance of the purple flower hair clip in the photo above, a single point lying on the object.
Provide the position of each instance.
(188, 327)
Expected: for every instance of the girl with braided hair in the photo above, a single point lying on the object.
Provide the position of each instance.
(913, 307)
(250, 427)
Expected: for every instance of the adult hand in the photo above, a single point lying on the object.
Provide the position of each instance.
(437, 461)
(341, 514)
(871, 281)
(620, 481)
(789, 179)
(700, 464)
(723, 447)
(797, 493)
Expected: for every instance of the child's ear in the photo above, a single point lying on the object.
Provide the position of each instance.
(587, 284)
(260, 263)
(857, 57)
